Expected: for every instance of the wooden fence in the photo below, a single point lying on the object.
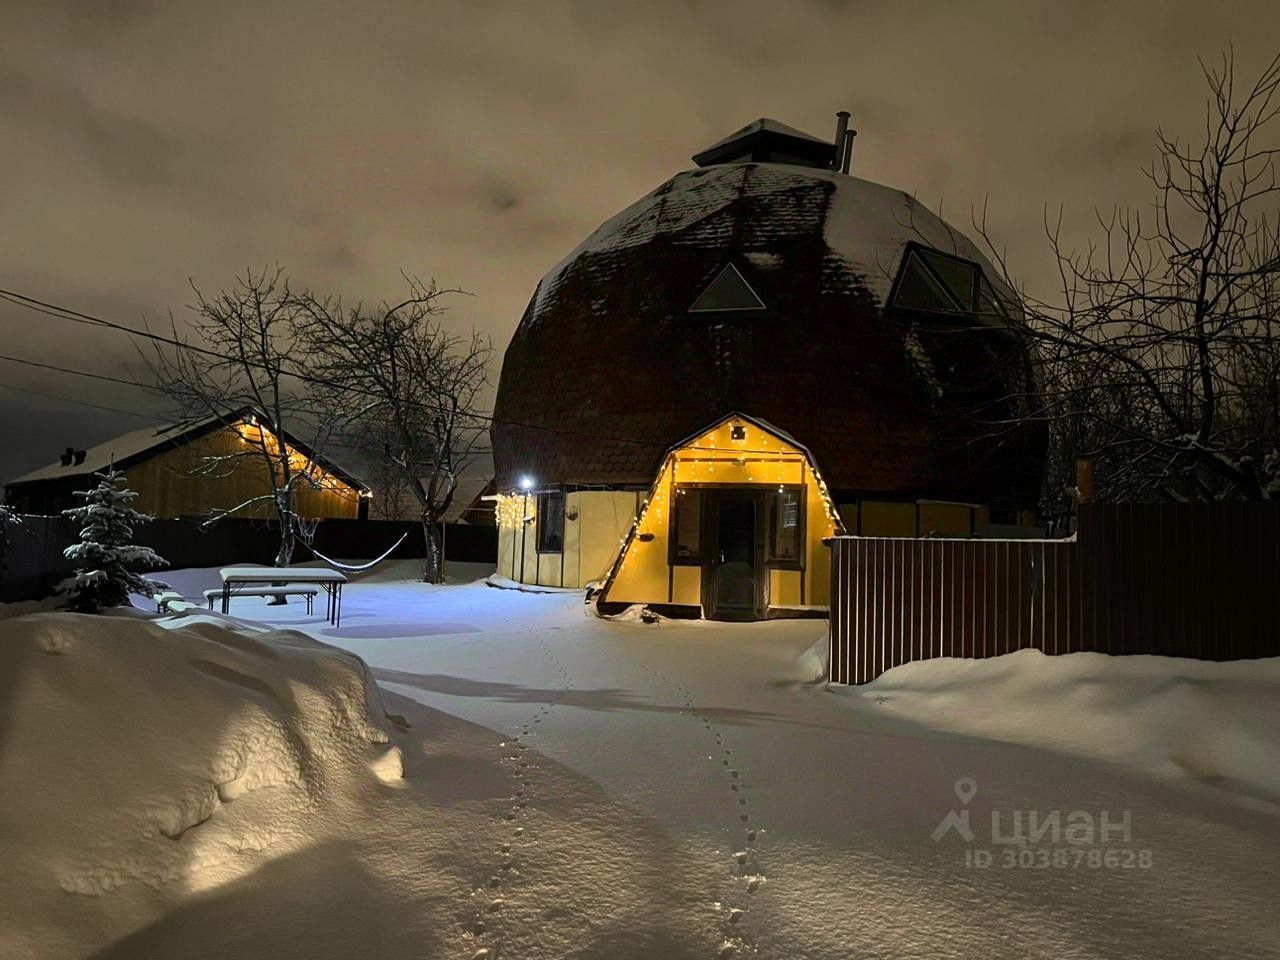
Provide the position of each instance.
(1183, 580)
(31, 562)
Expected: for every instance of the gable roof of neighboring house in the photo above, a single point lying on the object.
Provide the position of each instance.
(138, 446)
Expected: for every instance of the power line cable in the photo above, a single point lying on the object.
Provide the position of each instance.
(66, 313)
(83, 403)
(54, 310)
(79, 373)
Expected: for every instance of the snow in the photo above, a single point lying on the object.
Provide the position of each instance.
(593, 788)
(116, 449)
(1215, 724)
(920, 358)
(866, 225)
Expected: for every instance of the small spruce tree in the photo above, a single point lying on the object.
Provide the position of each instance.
(106, 558)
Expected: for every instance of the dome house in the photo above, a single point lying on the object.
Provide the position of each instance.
(760, 353)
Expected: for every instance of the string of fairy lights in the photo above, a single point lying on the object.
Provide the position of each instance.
(697, 463)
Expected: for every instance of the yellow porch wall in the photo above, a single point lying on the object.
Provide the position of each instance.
(784, 588)
(687, 584)
(761, 459)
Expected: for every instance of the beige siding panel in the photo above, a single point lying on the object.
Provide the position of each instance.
(605, 516)
(572, 540)
(506, 551)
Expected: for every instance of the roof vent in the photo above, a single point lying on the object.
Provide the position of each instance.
(843, 143)
(68, 455)
(768, 141)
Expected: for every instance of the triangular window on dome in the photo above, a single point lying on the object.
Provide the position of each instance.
(958, 275)
(990, 303)
(728, 291)
(920, 289)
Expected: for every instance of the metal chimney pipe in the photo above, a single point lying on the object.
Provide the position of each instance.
(842, 124)
(848, 150)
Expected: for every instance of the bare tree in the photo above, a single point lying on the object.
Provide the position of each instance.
(412, 389)
(245, 356)
(1161, 360)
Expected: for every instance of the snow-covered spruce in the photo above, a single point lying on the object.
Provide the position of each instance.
(106, 558)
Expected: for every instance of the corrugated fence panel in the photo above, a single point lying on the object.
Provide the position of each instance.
(1191, 580)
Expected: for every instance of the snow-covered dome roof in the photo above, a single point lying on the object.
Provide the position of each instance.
(865, 225)
(772, 288)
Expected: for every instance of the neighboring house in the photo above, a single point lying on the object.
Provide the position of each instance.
(836, 358)
(171, 469)
(469, 504)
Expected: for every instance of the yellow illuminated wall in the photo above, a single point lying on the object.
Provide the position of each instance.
(757, 459)
(183, 480)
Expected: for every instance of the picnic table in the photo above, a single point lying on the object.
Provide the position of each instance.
(241, 579)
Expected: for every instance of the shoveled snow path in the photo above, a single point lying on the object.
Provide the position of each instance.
(842, 799)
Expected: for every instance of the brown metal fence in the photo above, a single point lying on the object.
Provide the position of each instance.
(1184, 580)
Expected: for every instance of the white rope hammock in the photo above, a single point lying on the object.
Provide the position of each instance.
(357, 568)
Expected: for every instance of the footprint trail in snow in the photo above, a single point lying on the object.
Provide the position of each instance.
(485, 931)
(744, 855)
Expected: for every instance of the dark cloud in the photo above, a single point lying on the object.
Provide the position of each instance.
(142, 144)
(496, 196)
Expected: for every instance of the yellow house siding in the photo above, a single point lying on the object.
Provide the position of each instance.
(642, 576)
(784, 588)
(881, 519)
(177, 482)
(946, 520)
(686, 585)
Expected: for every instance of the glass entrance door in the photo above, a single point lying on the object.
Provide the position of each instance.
(733, 581)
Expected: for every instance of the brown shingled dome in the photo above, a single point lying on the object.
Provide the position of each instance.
(838, 309)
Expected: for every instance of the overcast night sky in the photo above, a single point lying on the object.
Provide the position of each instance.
(145, 143)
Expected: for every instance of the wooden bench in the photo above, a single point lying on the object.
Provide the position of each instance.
(164, 598)
(308, 592)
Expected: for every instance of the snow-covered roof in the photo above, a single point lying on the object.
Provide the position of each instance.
(129, 448)
(864, 224)
(469, 487)
(116, 450)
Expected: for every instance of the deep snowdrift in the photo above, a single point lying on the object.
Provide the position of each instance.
(177, 788)
(174, 759)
